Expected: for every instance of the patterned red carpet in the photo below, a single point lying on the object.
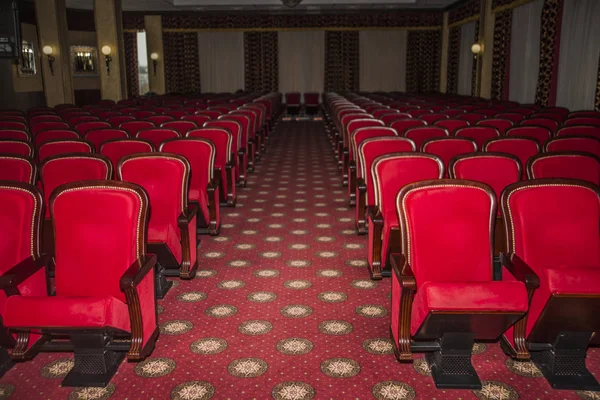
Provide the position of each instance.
(283, 308)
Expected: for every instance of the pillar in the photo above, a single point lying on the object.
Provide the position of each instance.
(487, 58)
(154, 44)
(53, 32)
(444, 60)
(109, 32)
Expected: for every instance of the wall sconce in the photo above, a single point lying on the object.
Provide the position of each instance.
(477, 49)
(106, 50)
(48, 52)
(154, 57)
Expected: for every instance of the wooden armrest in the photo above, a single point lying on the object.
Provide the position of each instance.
(22, 271)
(186, 217)
(361, 185)
(403, 271)
(520, 270)
(374, 215)
(137, 271)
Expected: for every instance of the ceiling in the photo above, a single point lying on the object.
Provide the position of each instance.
(267, 5)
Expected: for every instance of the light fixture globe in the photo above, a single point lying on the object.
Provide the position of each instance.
(476, 48)
(291, 3)
(106, 50)
(48, 50)
(154, 56)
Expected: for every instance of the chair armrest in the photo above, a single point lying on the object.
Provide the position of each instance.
(403, 271)
(361, 185)
(374, 215)
(22, 271)
(137, 271)
(186, 217)
(520, 270)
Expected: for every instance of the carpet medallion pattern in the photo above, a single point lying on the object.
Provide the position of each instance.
(282, 307)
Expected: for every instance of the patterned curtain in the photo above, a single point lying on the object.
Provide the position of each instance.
(261, 62)
(501, 55)
(423, 61)
(341, 61)
(476, 62)
(131, 63)
(182, 64)
(549, 50)
(453, 58)
(597, 104)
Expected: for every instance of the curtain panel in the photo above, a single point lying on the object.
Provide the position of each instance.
(341, 61)
(578, 61)
(465, 61)
(221, 61)
(382, 60)
(423, 56)
(525, 51)
(301, 61)
(261, 62)
(549, 48)
(131, 63)
(501, 56)
(453, 57)
(182, 69)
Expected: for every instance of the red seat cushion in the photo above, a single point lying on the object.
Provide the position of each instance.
(492, 296)
(67, 311)
(170, 237)
(567, 279)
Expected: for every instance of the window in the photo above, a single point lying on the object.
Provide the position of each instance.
(27, 60)
(143, 78)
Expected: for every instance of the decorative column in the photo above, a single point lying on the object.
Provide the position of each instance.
(56, 63)
(109, 33)
(487, 59)
(444, 60)
(154, 45)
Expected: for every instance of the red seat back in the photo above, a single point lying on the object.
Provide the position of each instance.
(221, 139)
(588, 144)
(115, 149)
(447, 148)
(422, 133)
(521, 147)
(540, 134)
(158, 135)
(479, 134)
(45, 126)
(402, 125)
(99, 136)
(545, 122)
(583, 121)
(572, 165)
(17, 169)
(119, 119)
(159, 119)
(433, 118)
(182, 127)
(14, 134)
(451, 125)
(61, 146)
(586, 130)
(54, 134)
(16, 147)
(360, 134)
(502, 125)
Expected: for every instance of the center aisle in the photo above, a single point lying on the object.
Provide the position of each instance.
(282, 307)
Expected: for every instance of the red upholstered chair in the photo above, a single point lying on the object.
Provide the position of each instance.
(46, 126)
(252, 139)
(555, 244)
(237, 156)
(119, 119)
(311, 102)
(172, 228)
(586, 130)
(182, 127)
(402, 125)
(444, 295)
(368, 150)
(158, 119)
(99, 136)
(105, 305)
(515, 117)
(17, 168)
(15, 118)
(54, 134)
(571, 165)
(448, 148)
(543, 122)
(557, 117)
(133, 127)
(63, 146)
(243, 159)
(16, 147)
(13, 125)
(519, 146)
(584, 114)
(583, 121)
(115, 149)
(256, 115)
(472, 118)
(360, 130)
(222, 139)
(588, 144)
(389, 173)
(21, 211)
(502, 125)
(433, 118)
(158, 135)
(451, 125)
(44, 118)
(479, 134)
(293, 102)
(498, 170)
(422, 133)
(142, 114)
(540, 134)
(85, 127)
(14, 134)
(199, 120)
(204, 185)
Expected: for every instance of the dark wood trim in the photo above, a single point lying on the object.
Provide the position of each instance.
(361, 206)
(402, 272)
(188, 270)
